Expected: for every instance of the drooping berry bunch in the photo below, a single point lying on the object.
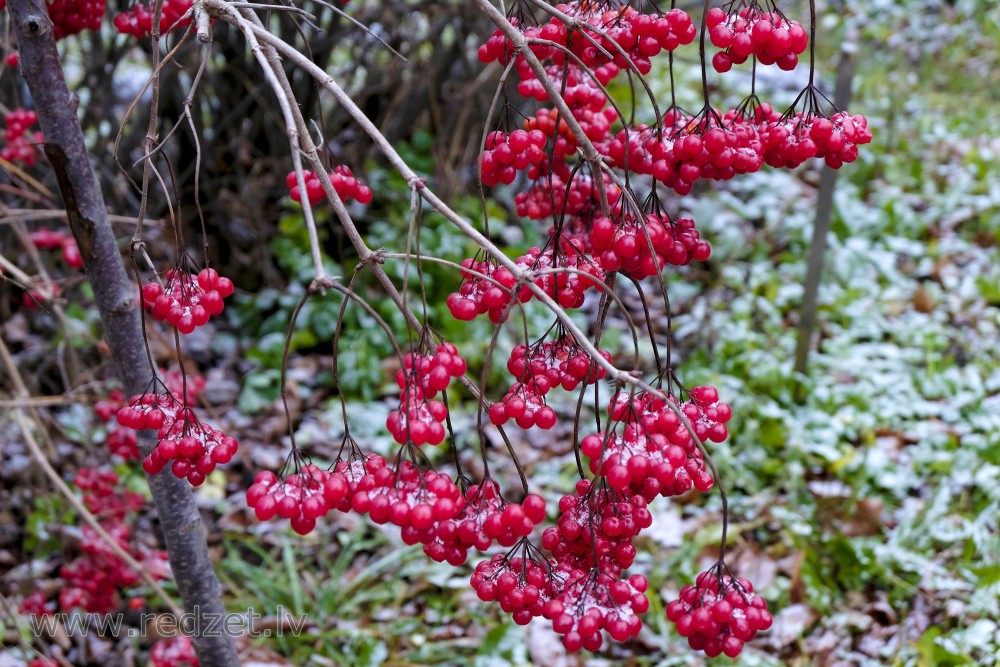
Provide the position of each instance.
(488, 290)
(620, 32)
(649, 451)
(194, 448)
(562, 361)
(591, 601)
(300, 497)
(121, 441)
(522, 585)
(790, 141)
(641, 246)
(566, 287)
(408, 497)
(768, 36)
(485, 519)
(431, 372)
(525, 403)
(417, 419)
(506, 154)
(596, 528)
(187, 301)
(719, 614)
(71, 17)
(20, 141)
(150, 411)
(138, 20)
(559, 192)
(343, 180)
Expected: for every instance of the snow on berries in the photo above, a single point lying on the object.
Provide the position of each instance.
(788, 142)
(591, 601)
(344, 183)
(596, 527)
(522, 585)
(408, 497)
(191, 448)
(301, 497)
(187, 301)
(719, 614)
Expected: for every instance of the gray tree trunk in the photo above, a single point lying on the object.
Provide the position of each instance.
(116, 299)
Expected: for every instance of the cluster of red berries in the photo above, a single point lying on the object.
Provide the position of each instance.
(525, 403)
(579, 89)
(95, 580)
(300, 497)
(522, 585)
(20, 142)
(431, 372)
(174, 652)
(505, 155)
(195, 448)
(121, 440)
(485, 519)
(311, 492)
(102, 496)
(343, 181)
(684, 149)
(719, 614)
(413, 499)
(71, 17)
(49, 239)
(186, 301)
(566, 287)
(791, 141)
(654, 453)
(138, 20)
(596, 527)
(620, 32)
(551, 194)
(641, 247)
(591, 601)
(488, 290)
(594, 123)
(768, 36)
(562, 361)
(417, 419)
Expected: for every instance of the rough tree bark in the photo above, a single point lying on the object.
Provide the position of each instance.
(116, 299)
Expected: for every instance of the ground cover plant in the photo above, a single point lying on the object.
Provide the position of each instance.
(309, 335)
